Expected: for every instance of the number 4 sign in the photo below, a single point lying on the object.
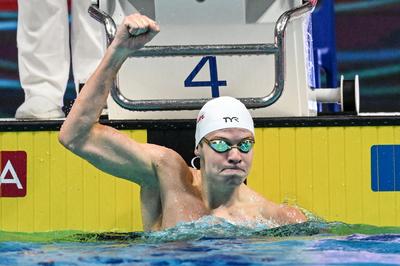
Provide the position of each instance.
(214, 83)
(12, 174)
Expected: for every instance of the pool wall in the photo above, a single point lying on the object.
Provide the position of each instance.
(65, 192)
(324, 165)
(326, 170)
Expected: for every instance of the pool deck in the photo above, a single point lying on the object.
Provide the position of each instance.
(380, 119)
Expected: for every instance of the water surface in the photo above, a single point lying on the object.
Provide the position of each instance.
(208, 243)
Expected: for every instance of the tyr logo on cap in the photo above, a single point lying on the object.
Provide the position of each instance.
(201, 117)
(12, 174)
(231, 119)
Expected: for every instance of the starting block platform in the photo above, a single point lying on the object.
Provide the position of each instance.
(205, 23)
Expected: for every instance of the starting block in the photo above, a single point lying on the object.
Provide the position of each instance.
(153, 77)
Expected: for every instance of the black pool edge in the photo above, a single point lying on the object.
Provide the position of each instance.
(319, 121)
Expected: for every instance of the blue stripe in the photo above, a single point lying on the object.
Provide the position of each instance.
(374, 72)
(363, 4)
(7, 64)
(15, 84)
(8, 15)
(379, 91)
(9, 84)
(12, 24)
(8, 25)
(368, 56)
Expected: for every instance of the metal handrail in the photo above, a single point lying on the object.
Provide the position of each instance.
(277, 48)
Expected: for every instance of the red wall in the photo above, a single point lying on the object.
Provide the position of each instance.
(8, 5)
(11, 5)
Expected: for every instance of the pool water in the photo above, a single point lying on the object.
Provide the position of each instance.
(200, 243)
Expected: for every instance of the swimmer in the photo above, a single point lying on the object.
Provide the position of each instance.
(171, 192)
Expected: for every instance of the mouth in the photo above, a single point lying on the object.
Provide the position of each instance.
(233, 175)
(232, 169)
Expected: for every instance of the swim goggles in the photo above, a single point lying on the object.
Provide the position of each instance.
(222, 146)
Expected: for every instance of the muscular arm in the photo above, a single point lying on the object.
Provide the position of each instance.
(103, 146)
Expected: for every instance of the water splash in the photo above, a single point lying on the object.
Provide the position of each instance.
(210, 227)
(206, 227)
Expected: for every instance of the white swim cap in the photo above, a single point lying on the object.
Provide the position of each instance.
(222, 112)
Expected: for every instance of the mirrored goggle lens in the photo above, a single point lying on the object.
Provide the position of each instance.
(219, 145)
(223, 146)
(245, 146)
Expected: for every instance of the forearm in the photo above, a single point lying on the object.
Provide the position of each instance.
(82, 122)
(92, 99)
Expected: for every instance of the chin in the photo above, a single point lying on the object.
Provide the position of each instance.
(233, 179)
(236, 181)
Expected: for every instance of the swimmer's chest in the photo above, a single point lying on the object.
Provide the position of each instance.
(187, 208)
(182, 207)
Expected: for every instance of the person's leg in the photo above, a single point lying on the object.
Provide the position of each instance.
(87, 42)
(43, 57)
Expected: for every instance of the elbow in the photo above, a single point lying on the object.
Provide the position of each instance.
(67, 139)
(64, 139)
(74, 139)
(74, 134)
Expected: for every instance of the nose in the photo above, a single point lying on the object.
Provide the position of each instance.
(234, 156)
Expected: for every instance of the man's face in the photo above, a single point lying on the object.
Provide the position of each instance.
(231, 167)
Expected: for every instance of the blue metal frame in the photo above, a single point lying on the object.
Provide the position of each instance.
(324, 43)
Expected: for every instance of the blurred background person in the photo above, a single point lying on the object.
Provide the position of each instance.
(46, 46)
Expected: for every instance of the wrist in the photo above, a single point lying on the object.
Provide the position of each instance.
(115, 57)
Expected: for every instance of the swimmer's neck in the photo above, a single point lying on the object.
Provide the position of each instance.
(215, 196)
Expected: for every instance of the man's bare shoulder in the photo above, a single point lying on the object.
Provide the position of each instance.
(252, 197)
(290, 214)
(166, 157)
(281, 213)
(170, 168)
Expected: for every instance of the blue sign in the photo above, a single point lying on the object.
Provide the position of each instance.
(385, 168)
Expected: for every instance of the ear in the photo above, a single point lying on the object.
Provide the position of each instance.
(196, 151)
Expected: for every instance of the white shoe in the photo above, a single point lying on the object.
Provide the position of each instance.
(39, 107)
